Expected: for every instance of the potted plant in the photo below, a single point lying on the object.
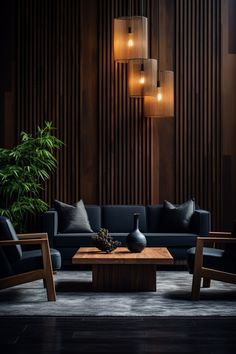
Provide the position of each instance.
(23, 170)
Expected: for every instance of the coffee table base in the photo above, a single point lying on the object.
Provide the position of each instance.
(124, 277)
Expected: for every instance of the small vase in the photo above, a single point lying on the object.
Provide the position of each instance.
(136, 241)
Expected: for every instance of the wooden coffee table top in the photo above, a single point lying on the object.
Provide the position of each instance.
(121, 255)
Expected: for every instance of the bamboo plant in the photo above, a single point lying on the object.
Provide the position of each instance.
(24, 170)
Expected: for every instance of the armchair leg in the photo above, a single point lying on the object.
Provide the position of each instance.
(50, 286)
(196, 287)
(206, 283)
(48, 272)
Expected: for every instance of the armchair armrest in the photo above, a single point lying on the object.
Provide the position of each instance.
(38, 241)
(201, 240)
(219, 234)
(32, 236)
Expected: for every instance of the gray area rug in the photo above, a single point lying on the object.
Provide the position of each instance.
(74, 298)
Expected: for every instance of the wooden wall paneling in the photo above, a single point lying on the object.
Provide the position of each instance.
(89, 93)
(47, 76)
(198, 141)
(128, 170)
(228, 123)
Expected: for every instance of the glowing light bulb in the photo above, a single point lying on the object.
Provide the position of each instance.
(130, 43)
(130, 38)
(159, 94)
(142, 75)
(142, 79)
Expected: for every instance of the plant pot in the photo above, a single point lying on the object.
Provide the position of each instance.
(136, 241)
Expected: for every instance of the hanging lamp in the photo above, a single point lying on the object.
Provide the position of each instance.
(142, 75)
(161, 102)
(130, 38)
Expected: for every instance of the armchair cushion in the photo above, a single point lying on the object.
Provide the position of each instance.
(176, 218)
(72, 218)
(32, 260)
(230, 249)
(7, 232)
(5, 266)
(213, 258)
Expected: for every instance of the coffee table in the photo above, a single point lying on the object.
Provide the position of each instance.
(122, 270)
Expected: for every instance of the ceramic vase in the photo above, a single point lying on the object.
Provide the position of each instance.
(136, 241)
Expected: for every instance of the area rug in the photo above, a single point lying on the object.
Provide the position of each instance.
(75, 298)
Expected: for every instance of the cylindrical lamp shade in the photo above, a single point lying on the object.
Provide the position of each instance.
(142, 77)
(161, 103)
(130, 38)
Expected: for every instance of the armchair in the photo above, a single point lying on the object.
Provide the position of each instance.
(18, 266)
(212, 263)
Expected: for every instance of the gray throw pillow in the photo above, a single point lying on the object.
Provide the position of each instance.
(72, 218)
(176, 219)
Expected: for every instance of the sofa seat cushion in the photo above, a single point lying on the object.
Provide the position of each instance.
(73, 240)
(212, 258)
(120, 218)
(153, 239)
(32, 260)
(171, 239)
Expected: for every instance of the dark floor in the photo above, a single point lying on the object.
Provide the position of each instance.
(66, 335)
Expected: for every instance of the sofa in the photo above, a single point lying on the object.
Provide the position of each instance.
(118, 219)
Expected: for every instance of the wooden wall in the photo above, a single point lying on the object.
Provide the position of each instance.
(228, 112)
(63, 70)
(198, 104)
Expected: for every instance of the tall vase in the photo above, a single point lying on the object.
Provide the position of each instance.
(136, 241)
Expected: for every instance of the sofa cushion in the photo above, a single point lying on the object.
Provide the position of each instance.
(119, 218)
(94, 216)
(176, 218)
(68, 240)
(72, 218)
(171, 239)
(153, 217)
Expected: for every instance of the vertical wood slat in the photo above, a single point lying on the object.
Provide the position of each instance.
(198, 113)
(47, 54)
(123, 167)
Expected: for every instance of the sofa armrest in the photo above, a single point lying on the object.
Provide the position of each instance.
(50, 225)
(200, 222)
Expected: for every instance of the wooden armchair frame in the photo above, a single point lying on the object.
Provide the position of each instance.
(45, 273)
(207, 273)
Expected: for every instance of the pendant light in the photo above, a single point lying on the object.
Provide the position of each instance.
(161, 102)
(142, 75)
(130, 37)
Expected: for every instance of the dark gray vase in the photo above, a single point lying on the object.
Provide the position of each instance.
(136, 241)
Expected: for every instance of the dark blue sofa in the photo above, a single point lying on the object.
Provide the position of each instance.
(118, 219)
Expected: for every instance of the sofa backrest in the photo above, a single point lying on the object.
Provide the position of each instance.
(94, 216)
(119, 218)
(153, 217)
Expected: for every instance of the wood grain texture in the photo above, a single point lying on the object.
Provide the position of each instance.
(58, 65)
(198, 104)
(123, 277)
(150, 255)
